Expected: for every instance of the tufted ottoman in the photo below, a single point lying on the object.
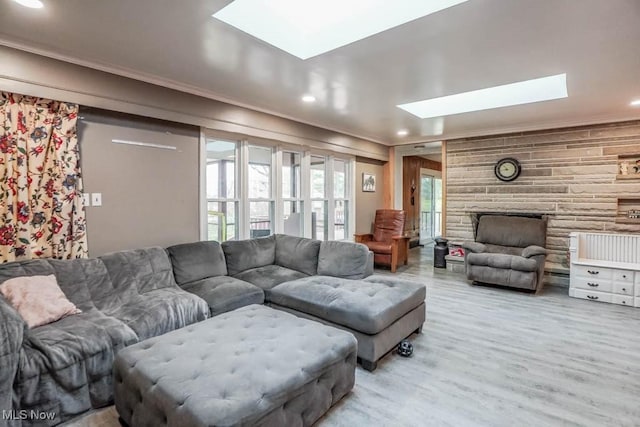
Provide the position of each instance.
(250, 366)
(380, 310)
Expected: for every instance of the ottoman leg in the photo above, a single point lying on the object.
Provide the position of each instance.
(419, 330)
(368, 365)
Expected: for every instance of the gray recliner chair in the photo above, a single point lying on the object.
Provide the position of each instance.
(508, 251)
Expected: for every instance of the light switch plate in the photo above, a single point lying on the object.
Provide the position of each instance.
(86, 199)
(96, 199)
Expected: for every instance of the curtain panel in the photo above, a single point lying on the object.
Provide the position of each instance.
(41, 206)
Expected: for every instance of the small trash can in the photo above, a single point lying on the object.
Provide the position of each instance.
(440, 251)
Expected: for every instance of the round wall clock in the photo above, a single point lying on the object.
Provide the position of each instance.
(507, 169)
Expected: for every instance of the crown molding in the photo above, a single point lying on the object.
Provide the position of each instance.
(163, 82)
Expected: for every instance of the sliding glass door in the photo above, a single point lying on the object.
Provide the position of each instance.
(430, 208)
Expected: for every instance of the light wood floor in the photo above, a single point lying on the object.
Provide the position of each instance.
(495, 357)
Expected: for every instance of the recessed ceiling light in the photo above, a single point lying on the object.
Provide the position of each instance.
(33, 4)
(309, 98)
(403, 132)
(306, 29)
(536, 90)
(635, 103)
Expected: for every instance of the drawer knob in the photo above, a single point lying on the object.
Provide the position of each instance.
(624, 302)
(624, 289)
(624, 276)
(592, 272)
(593, 285)
(594, 297)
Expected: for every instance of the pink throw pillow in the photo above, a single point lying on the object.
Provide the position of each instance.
(38, 299)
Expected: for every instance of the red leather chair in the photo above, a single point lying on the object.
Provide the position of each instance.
(387, 242)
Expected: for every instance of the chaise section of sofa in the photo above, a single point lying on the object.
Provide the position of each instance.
(200, 268)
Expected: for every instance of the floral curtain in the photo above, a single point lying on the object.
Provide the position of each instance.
(41, 206)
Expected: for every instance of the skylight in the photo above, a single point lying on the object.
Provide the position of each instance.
(526, 92)
(309, 28)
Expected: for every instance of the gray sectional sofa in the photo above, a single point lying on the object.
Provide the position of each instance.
(130, 296)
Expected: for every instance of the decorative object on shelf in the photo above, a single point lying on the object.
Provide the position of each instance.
(628, 166)
(633, 214)
(368, 182)
(507, 169)
(624, 168)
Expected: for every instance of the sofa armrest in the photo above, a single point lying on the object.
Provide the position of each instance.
(362, 238)
(533, 250)
(474, 247)
(12, 333)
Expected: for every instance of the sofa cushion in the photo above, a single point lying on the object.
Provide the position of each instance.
(66, 366)
(343, 259)
(81, 280)
(38, 299)
(198, 260)
(506, 230)
(224, 293)
(144, 269)
(297, 253)
(269, 276)
(368, 306)
(505, 261)
(242, 255)
(159, 311)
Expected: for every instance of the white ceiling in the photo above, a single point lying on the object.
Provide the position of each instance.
(474, 45)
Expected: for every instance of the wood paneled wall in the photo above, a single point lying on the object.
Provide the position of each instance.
(411, 166)
(569, 174)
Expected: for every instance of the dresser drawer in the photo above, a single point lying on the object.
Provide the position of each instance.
(622, 300)
(588, 271)
(590, 295)
(637, 290)
(592, 284)
(622, 288)
(623, 276)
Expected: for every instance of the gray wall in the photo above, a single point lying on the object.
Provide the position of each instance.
(149, 195)
(367, 203)
(36, 75)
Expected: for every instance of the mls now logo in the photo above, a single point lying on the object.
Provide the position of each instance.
(32, 414)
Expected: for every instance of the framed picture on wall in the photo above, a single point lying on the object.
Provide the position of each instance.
(368, 182)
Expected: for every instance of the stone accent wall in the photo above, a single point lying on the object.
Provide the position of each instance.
(569, 174)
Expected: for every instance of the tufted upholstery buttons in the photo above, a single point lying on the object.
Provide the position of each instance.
(258, 349)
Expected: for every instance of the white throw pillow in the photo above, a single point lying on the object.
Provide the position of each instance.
(38, 299)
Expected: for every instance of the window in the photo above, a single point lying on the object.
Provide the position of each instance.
(260, 192)
(222, 206)
(319, 223)
(341, 204)
(292, 205)
(255, 190)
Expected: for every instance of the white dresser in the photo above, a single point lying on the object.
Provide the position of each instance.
(605, 268)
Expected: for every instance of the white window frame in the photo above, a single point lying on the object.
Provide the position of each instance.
(242, 201)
